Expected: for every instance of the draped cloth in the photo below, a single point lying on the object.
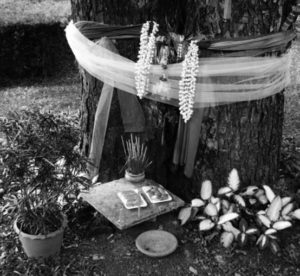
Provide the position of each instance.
(220, 80)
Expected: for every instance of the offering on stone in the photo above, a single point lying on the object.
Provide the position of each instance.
(156, 194)
(131, 199)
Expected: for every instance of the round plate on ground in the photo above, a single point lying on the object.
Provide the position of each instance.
(156, 243)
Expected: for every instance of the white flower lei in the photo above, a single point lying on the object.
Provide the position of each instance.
(145, 56)
(187, 84)
(179, 47)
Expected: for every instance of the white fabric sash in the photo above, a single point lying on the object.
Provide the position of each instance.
(220, 80)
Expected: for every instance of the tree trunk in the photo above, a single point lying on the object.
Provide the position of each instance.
(246, 135)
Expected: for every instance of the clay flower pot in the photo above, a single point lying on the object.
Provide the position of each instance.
(41, 246)
(134, 178)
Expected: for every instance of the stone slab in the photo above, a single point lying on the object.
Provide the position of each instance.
(103, 197)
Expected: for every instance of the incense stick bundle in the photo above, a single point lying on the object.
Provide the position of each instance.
(136, 155)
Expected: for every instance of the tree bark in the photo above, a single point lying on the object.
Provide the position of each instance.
(246, 135)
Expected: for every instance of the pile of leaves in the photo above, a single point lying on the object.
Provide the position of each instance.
(254, 215)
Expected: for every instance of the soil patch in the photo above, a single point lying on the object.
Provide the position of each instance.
(103, 250)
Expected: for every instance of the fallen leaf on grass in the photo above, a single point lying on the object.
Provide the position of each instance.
(5, 234)
(71, 246)
(97, 257)
(193, 270)
(211, 236)
(220, 259)
(110, 236)
(3, 255)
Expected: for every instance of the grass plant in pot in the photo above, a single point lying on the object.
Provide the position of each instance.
(136, 159)
(39, 167)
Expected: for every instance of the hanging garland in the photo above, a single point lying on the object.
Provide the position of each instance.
(187, 84)
(145, 57)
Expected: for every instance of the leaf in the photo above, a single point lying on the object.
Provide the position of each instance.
(262, 242)
(206, 190)
(83, 175)
(226, 239)
(61, 162)
(212, 235)
(259, 192)
(225, 204)
(234, 180)
(274, 246)
(252, 201)
(250, 190)
(243, 225)
(263, 199)
(95, 179)
(224, 191)
(227, 226)
(227, 217)
(286, 217)
(197, 202)
(217, 202)
(287, 209)
(239, 200)
(193, 270)
(232, 208)
(199, 218)
(206, 225)
(280, 225)
(261, 212)
(185, 214)
(251, 231)
(214, 200)
(242, 239)
(271, 231)
(264, 220)
(296, 214)
(211, 210)
(286, 200)
(269, 193)
(274, 209)
(194, 212)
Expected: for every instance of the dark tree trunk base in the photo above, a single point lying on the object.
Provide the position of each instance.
(245, 136)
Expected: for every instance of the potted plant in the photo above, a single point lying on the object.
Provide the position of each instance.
(136, 159)
(39, 168)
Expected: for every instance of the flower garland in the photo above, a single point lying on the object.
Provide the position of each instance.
(187, 84)
(145, 57)
(180, 47)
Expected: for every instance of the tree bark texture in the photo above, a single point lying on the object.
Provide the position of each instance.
(246, 136)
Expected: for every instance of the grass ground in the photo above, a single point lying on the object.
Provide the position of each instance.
(34, 11)
(56, 95)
